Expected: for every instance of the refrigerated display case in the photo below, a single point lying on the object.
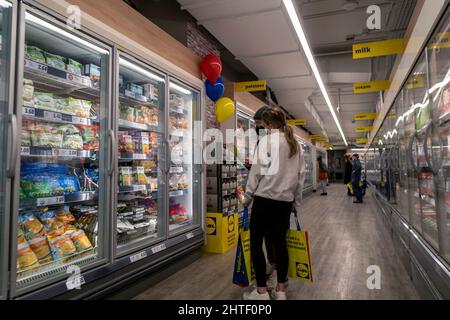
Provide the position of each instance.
(184, 174)
(61, 189)
(414, 155)
(8, 125)
(140, 175)
(308, 166)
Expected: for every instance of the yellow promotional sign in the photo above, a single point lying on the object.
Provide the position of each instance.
(392, 114)
(297, 122)
(222, 232)
(373, 86)
(378, 48)
(365, 116)
(363, 129)
(328, 146)
(440, 41)
(417, 81)
(361, 140)
(251, 86)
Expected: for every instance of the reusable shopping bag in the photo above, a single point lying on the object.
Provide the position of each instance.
(299, 253)
(242, 275)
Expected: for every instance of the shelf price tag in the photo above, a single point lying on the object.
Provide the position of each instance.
(138, 256)
(29, 111)
(65, 152)
(25, 151)
(159, 248)
(42, 202)
(139, 156)
(140, 188)
(52, 115)
(35, 65)
(78, 120)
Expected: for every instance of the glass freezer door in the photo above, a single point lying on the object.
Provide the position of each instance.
(140, 197)
(184, 179)
(63, 191)
(6, 16)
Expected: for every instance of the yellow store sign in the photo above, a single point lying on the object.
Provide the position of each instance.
(440, 41)
(250, 86)
(361, 140)
(297, 122)
(363, 129)
(373, 86)
(417, 81)
(378, 48)
(365, 116)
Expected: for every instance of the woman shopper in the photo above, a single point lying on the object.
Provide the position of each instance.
(348, 174)
(323, 175)
(274, 185)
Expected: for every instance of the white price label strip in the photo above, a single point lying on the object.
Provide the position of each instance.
(49, 201)
(78, 120)
(139, 156)
(138, 256)
(140, 188)
(25, 151)
(36, 66)
(29, 111)
(159, 248)
(52, 115)
(65, 152)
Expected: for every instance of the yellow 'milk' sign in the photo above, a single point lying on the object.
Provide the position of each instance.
(365, 116)
(363, 129)
(297, 122)
(378, 48)
(373, 86)
(361, 140)
(250, 86)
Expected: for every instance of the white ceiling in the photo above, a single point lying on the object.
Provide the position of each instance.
(259, 33)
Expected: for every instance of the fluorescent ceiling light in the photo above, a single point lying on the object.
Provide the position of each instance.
(64, 33)
(5, 4)
(301, 36)
(132, 66)
(179, 89)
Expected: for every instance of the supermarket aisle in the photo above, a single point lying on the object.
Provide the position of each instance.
(346, 238)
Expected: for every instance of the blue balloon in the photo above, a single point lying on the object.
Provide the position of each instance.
(214, 91)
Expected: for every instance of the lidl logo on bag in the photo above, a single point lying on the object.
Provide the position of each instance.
(230, 223)
(302, 270)
(211, 228)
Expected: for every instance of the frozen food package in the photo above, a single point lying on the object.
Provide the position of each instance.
(64, 215)
(56, 229)
(44, 100)
(127, 113)
(25, 138)
(35, 54)
(55, 61)
(151, 92)
(139, 115)
(81, 241)
(61, 246)
(28, 91)
(41, 249)
(93, 72)
(74, 67)
(140, 177)
(44, 139)
(68, 183)
(30, 224)
(69, 129)
(47, 217)
(78, 107)
(91, 139)
(126, 143)
(26, 257)
(20, 236)
(73, 141)
(126, 176)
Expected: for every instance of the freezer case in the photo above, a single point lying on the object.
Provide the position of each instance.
(141, 183)
(184, 170)
(60, 214)
(8, 129)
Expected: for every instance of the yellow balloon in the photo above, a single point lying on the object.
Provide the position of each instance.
(224, 109)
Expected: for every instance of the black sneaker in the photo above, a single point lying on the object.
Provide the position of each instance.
(324, 194)
(357, 201)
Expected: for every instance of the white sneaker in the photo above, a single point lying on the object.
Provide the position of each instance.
(278, 295)
(255, 295)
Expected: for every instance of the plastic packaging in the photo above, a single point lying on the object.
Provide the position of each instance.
(44, 100)
(28, 91)
(26, 258)
(41, 249)
(55, 61)
(73, 141)
(90, 135)
(81, 241)
(125, 176)
(74, 67)
(127, 113)
(35, 54)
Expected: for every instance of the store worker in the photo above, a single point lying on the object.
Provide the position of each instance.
(274, 186)
(356, 178)
(323, 175)
(348, 174)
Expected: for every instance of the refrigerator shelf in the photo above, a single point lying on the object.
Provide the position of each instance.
(139, 126)
(135, 156)
(178, 110)
(130, 98)
(58, 117)
(176, 170)
(39, 152)
(58, 200)
(178, 193)
(58, 81)
(136, 188)
(178, 133)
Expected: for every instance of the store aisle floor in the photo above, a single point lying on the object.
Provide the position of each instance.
(346, 238)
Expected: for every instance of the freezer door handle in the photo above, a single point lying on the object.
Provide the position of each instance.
(14, 146)
(113, 146)
(410, 152)
(167, 149)
(434, 167)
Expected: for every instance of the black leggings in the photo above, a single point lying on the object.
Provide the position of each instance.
(269, 217)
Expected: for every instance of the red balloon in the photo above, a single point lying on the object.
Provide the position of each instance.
(211, 67)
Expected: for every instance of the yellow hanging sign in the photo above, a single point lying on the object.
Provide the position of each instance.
(297, 122)
(378, 48)
(363, 129)
(440, 41)
(250, 86)
(373, 86)
(365, 116)
(361, 140)
(416, 81)
(327, 146)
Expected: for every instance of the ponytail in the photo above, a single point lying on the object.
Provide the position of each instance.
(277, 118)
(294, 147)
